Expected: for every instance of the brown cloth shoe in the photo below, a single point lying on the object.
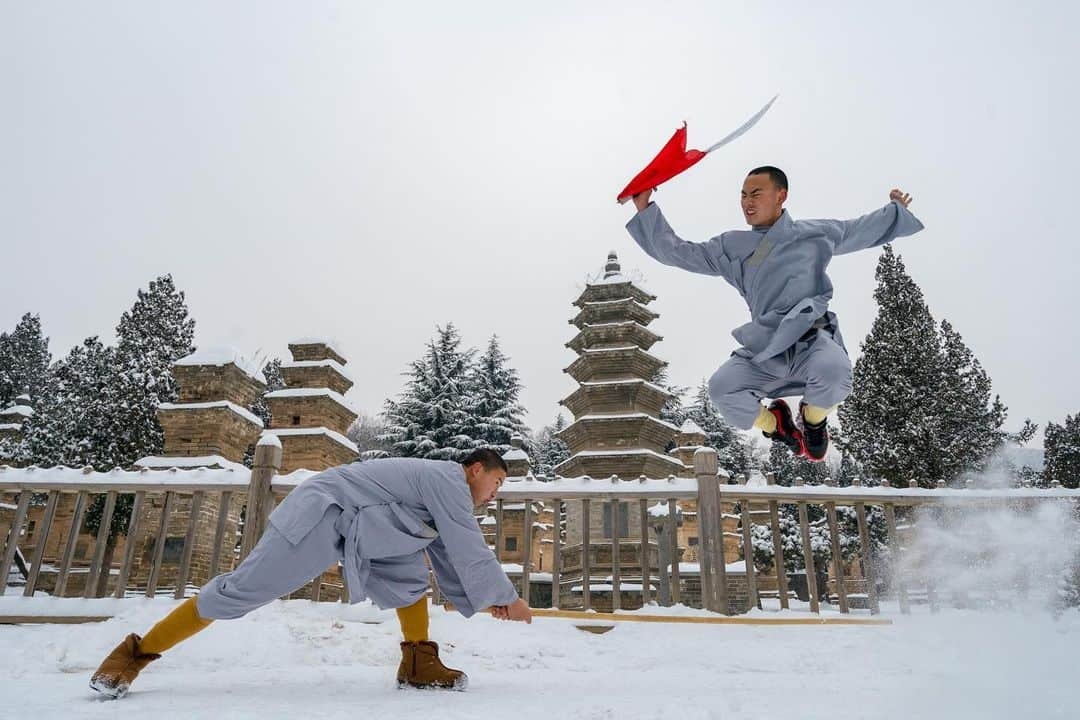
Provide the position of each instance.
(421, 668)
(121, 667)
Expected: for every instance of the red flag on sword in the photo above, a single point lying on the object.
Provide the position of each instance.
(674, 158)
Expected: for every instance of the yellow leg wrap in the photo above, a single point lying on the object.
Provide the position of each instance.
(814, 415)
(174, 628)
(766, 421)
(414, 621)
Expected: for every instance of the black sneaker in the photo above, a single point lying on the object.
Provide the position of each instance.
(816, 437)
(787, 432)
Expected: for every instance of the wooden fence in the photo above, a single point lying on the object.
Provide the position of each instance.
(709, 490)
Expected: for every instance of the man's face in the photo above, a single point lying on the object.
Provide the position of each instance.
(762, 200)
(483, 484)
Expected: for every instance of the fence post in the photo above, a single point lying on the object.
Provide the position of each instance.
(260, 496)
(713, 571)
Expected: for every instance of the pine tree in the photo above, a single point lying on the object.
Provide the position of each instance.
(368, 433)
(24, 360)
(271, 372)
(152, 335)
(431, 418)
(1062, 447)
(969, 423)
(493, 405)
(548, 448)
(733, 452)
(890, 417)
(673, 411)
(71, 424)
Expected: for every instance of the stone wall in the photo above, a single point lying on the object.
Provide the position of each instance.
(195, 432)
(309, 412)
(312, 452)
(211, 383)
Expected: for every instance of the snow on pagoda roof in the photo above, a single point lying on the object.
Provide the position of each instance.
(164, 462)
(623, 416)
(619, 453)
(614, 324)
(515, 454)
(691, 428)
(627, 381)
(333, 364)
(311, 340)
(242, 412)
(612, 302)
(21, 410)
(10, 426)
(333, 435)
(313, 392)
(220, 355)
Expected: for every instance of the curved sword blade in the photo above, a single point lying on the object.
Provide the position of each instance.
(745, 126)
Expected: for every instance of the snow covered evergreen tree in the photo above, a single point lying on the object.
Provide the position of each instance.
(1062, 447)
(493, 404)
(921, 404)
(431, 419)
(673, 411)
(368, 433)
(152, 335)
(890, 417)
(969, 422)
(72, 422)
(24, 360)
(271, 372)
(733, 452)
(548, 449)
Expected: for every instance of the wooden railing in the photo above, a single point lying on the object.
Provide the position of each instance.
(710, 490)
(170, 487)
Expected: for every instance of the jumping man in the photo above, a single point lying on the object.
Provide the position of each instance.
(792, 343)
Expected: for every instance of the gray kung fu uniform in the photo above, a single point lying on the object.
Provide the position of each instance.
(379, 518)
(780, 272)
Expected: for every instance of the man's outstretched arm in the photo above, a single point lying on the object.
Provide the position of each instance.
(873, 229)
(651, 231)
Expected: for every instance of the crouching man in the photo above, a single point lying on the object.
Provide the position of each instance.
(379, 518)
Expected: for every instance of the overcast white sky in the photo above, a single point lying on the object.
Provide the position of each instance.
(365, 171)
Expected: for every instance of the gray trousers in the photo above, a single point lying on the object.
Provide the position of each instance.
(274, 568)
(817, 368)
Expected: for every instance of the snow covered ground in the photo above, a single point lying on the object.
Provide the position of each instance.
(299, 659)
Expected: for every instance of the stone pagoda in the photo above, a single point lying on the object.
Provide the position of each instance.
(617, 428)
(310, 415)
(209, 426)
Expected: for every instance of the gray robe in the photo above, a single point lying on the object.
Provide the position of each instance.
(392, 511)
(778, 270)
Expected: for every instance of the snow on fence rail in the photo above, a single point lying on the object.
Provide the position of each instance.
(259, 489)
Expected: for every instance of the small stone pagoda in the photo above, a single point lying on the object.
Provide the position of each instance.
(209, 426)
(310, 415)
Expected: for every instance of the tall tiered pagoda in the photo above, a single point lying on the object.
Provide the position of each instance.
(617, 428)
